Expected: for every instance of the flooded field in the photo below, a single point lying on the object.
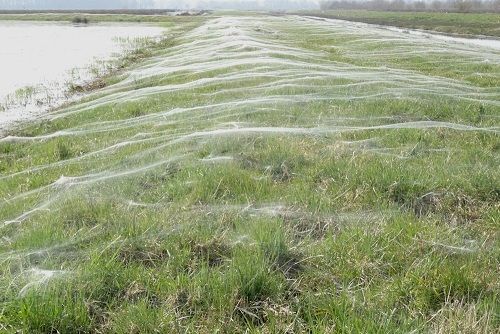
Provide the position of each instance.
(39, 59)
(276, 174)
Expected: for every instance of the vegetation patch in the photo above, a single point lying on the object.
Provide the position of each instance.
(80, 20)
(261, 173)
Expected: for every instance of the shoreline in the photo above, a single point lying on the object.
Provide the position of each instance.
(65, 93)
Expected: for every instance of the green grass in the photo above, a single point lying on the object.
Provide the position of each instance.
(486, 24)
(205, 194)
(96, 18)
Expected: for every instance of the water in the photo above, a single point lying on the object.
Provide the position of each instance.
(47, 55)
(482, 42)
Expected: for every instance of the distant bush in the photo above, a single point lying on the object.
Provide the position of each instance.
(460, 6)
(80, 20)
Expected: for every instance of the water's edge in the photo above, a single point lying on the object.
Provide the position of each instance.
(481, 40)
(17, 115)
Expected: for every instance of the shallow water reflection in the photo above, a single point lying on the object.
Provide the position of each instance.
(50, 54)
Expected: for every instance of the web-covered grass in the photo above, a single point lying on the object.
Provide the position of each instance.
(276, 174)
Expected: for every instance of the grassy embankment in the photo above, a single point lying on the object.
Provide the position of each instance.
(95, 17)
(485, 24)
(276, 174)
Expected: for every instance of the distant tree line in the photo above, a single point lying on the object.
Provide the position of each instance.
(460, 6)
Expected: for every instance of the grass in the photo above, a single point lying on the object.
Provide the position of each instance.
(22, 96)
(485, 24)
(261, 174)
(98, 17)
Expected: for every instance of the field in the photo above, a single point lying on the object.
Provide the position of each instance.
(486, 24)
(97, 16)
(262, 174)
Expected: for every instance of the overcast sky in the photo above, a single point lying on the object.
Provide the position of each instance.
(170, 4)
